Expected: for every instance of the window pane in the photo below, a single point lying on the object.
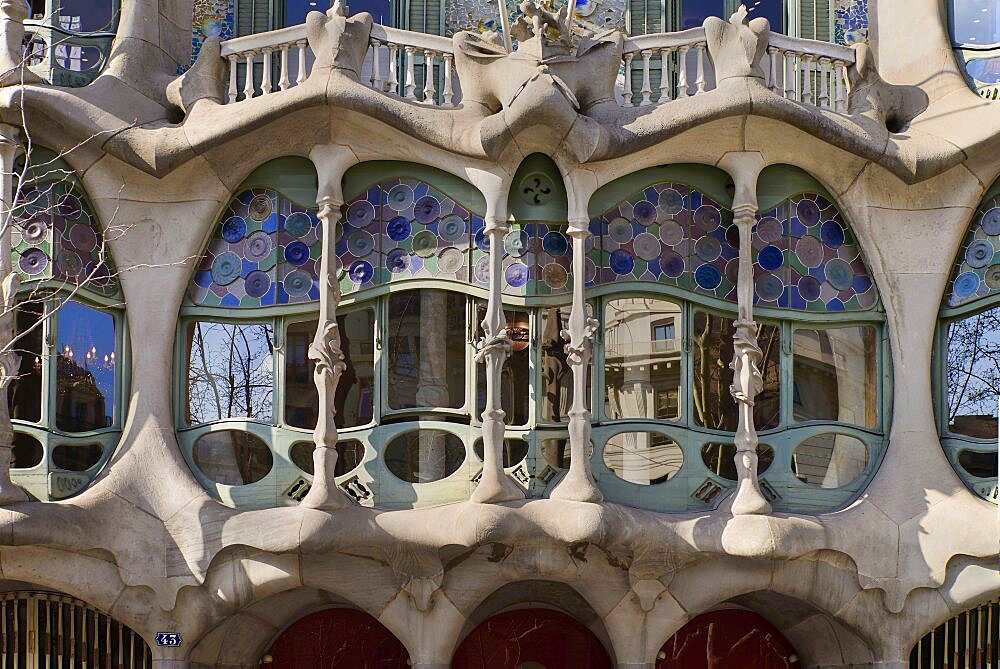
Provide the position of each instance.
(514, 378)
(230, 371)
(27, 452)
(514, 451)
(720, 459)
(835, 373)
(85, 373)
(711, 355)
(232, 457)
(424, 456)
(76, 457)
(350, 453)
(86, 15)
(557, 377)
(426, 346)
(644, 458)
(980, 465)
(642, 358)
(694, 12)
(301, 397)
(976, 22)
(829, 460)
(25, 395)
(355, 400)
(973, 373)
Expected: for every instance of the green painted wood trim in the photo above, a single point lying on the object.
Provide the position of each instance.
(707, 179)
(294, 177)
(778, 183)
(360, 178)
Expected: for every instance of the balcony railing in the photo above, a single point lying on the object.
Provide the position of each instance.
(656, 68)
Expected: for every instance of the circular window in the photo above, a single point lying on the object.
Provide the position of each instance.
(424, 456)
(829, 460)
(537, 189)
(980, 465)
(77, 457)
(232, 457)
(350, 453)
(514, 451)
(27, 452)
(720, 459)
(644, 458)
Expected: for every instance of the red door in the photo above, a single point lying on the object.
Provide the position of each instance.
(337, 639)
(531, 638)
(728, 639)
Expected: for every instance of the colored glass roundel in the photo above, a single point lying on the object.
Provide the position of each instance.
(265, 251)
(536, 259)
(56, 236)
(977, 271)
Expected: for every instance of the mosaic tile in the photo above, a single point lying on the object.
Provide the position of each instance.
(977, 271)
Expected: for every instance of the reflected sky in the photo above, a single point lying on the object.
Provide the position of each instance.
(976, 22)
(694, 12)
(87, 337)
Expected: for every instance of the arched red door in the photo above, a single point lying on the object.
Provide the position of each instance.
(337, 638)
(728, 639)
(531, 638)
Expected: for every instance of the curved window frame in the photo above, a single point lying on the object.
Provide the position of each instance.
(967, 52)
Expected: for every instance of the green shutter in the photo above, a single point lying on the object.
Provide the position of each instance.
(425, 16)
(645, 16)
(254, 16)
(816, 19)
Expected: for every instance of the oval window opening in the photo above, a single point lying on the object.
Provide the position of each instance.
(350, 453)
(514, 451)
(232, 457)
(720, 459)
(643, 458)
(79, 58)
(829, 460)
(27, 452)
(980, 465)
(424, 456)
(77, 457)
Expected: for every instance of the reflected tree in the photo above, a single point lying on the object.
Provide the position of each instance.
(973, 373)
(230, 371)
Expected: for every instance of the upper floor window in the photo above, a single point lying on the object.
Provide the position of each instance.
(975, 33)
(66, 402)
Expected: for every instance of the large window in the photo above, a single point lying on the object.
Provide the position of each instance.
(975, 34)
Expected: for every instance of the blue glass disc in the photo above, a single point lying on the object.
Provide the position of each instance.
(233, 229)
(708, 277)
(297, 253)
(398, 229)
(966, 284)
(832, 234)
(621, 262)
(770, 258)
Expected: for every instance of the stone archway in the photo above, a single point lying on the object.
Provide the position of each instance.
(728, 639)
(533, 638)
(336, 638)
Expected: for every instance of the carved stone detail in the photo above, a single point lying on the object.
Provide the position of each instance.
(339, 42)
(737, 46)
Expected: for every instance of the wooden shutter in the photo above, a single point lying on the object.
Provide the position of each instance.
(254, 16)
(816, 19)
(645, 16)
(425, 16)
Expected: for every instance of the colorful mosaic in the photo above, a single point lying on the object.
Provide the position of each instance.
(210, 18)
(265, 251)
(807, 258)
(537, 260)
(977, 272)
(851, 21)
(592, 16)
(56, 236)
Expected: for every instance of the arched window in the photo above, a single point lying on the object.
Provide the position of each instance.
(972, 637)
(968, 353)
(975, 34)
(67, 401)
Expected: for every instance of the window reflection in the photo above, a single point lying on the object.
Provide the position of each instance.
(720, 459)
(25, 395)
(85, 374)
(829, 460)
(86, 16)
(230, 371)
(424, 456)
(711, 355)
(976, 22)
(426, 349)
(513, 451)
(642, 358)
(835, 375)
(644, 458)
(514, 379)
(557, 377)
(232, 457)
(973, 374)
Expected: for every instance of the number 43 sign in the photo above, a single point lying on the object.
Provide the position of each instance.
(168, 639)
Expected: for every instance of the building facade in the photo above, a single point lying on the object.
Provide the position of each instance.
(648, 334)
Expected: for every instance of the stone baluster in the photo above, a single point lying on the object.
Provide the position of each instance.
(776, 69)
(493, 350)
(840, 78)
(248, 88)
(377, 82)
(665, 74)
(807, 78)
(628, 78)
(393, 83)
(578, 483)
(234, 91)
(700, 86)
(10, 361)
(825, 82)
(301, 75)
(325, 351)
(448, 93)
(647, 89)
(430, 92)
(283, 82)
(410, 87)
(682, 72)
(265, 78)
(791, 74)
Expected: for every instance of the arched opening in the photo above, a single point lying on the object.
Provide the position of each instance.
(532, 638)
(970, 639)
(336, 638)
(728, 639)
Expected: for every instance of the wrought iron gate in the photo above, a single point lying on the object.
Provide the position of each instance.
(970, 640)
(40, 630)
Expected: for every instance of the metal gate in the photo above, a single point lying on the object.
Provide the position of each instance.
(970, 640)
(40, 630)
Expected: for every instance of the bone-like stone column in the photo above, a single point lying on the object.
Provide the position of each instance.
(10, 361)
(494, 349)
(326, 352)
(578, 484)
(747, 379)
